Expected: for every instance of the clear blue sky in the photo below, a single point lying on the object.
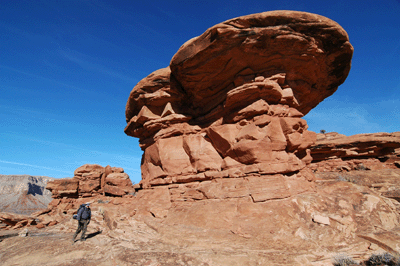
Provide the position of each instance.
(67, 68)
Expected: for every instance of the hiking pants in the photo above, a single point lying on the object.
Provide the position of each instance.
(82, 226)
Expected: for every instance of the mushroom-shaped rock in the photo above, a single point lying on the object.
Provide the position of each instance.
(231, 101)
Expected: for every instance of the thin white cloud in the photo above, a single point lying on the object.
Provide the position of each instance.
(46, 79)
(76, 57)
(34, 166)
(114, 156)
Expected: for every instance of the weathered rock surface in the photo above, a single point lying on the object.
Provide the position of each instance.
(91, 180)
(308, 55)
(337, 152)
(157, 227)
(16, 220)
(231, 101)
(23, 194)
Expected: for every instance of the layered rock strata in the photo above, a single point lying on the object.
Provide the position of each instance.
(337, 152)
(231, 101)
(91, 180)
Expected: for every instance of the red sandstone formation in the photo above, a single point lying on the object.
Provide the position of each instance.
(231, 102)
(337, 152)
(225, 147)
(91, 180)
(225, 154)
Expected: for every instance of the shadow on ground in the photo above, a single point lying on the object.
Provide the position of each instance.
(94, 234)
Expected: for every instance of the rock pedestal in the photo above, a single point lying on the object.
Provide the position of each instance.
(231, 101)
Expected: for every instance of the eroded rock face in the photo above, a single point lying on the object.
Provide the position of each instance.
(337, 152)
(231, 101)
(91, 180)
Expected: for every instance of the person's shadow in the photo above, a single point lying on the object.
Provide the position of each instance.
(93, 234)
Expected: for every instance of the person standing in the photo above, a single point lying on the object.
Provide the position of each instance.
(83, 216)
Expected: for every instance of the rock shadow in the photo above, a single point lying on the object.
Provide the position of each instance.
(34, 189)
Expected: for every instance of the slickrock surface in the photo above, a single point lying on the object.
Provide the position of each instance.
(371, 160)
(306, 229)
(24, 194)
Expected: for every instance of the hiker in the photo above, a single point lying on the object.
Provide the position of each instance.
(83, 216)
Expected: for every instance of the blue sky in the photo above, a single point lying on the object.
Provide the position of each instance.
(67, 68)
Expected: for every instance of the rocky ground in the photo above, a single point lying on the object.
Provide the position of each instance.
(306, 229)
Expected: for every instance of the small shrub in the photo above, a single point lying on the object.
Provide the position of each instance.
(347, 179)
(343, 260)
(361, 167)
(383, 259)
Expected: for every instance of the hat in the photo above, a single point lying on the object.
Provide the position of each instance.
(87, 203)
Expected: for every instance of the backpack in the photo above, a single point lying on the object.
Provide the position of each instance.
(86, 213)
(82, 213)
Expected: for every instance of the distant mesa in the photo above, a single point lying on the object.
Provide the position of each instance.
(230, 103)
(23, 194)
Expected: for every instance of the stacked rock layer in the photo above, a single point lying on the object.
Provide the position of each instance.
(91, 180)
(337, 152)
(231, 101)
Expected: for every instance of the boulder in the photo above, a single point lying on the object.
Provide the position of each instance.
(306, 55)
(65, 187)
(114, 191)
(16, 220)
(118, 179)
(88, 168)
